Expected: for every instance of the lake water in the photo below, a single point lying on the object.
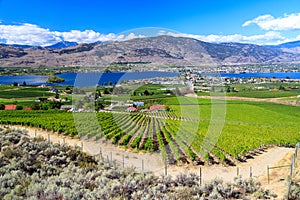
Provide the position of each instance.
(282, 75)
(86, 78)
(92, 78)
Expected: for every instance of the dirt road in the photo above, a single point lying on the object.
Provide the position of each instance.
(153, 161)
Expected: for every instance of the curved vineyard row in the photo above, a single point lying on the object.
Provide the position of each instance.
(179, 140)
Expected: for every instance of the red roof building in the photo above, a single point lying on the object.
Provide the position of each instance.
(157, 108)
(28, 108)
(10, 107)
(132, 109)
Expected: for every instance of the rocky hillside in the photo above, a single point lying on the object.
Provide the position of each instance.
(161, 49)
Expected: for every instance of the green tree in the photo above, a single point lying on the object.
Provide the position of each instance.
(45, 106)
(56, 95)
(19, 107)
(146, 92)
(35, 106)
(228, 89)
(281, 87)
(105, 91)
(2, 106)
(54, 104)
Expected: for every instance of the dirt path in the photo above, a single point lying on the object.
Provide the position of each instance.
(153, 161)
(258, 166)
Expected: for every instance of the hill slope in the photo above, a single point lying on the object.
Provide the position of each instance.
(161, 49)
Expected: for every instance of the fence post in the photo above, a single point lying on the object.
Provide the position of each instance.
(48, 137)
(123, 161)
(290, 180)
(166, 168)
(34, 133)
(81, 146)
(100, 153)
(142, 165)
(250, 172)
(268, 174)
(237, 171)
(111, 156)
(293, 162)
(200, 175)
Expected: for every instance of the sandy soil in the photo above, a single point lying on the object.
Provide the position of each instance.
(275, 156)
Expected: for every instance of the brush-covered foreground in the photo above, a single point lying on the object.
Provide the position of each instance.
(36, 169)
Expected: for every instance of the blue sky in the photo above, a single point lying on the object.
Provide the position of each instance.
(44, 22)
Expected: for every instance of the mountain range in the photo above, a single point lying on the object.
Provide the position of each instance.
(164, 50)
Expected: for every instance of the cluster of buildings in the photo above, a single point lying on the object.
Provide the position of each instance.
(154, 108)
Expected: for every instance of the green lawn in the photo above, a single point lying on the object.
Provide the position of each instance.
(23, 93)
(264, 93)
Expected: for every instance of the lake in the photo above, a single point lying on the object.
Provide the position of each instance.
(282, 75)
(86, 78)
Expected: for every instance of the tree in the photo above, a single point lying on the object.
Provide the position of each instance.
(45, 106)
(281, 87)
(35, 106)
(167, 108)
(105, 91)
(19, 107)
(228, 89)
(98, 106)
(24, 83)
(15, 84)
(2, 106)
(56, 95)
(54, 104)
(146, 92)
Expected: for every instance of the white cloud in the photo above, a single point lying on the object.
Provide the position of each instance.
(27, 34)
(267, 38)
(268, 22)
(30, 34)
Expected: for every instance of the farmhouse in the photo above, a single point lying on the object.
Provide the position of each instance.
(132, 109)
(157, 108)
(137, 103)
(67, 107)
(10, 107)
(53, 99)
(28, 108)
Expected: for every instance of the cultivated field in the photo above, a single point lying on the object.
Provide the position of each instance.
(179, 135)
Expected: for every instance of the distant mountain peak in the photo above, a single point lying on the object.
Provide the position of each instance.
(292, 47)
(62, 44)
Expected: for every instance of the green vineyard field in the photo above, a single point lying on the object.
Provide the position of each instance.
(179, 135)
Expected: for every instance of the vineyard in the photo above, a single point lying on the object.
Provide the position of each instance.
(248, 129)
